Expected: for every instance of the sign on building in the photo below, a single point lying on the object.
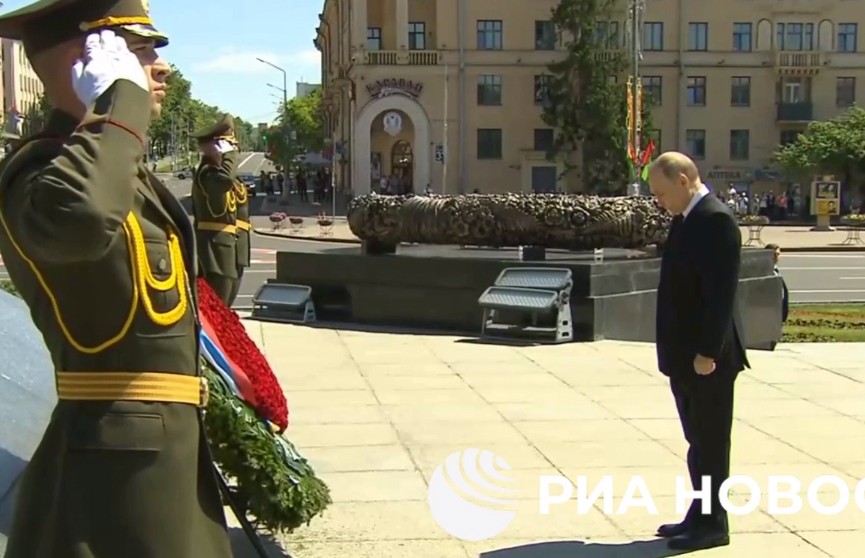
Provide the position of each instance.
(387, 87)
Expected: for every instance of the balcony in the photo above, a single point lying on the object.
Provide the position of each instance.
(402, 58)
(793, 113)
(799, 63)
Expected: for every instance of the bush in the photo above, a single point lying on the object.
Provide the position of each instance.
(8, 286)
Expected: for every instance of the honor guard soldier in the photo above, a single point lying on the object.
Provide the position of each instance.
(214, 202)
(244, 230)
(103, 255)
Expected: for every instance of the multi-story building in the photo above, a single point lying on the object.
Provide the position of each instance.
(22, 89)
(302, 88)
(446, 93)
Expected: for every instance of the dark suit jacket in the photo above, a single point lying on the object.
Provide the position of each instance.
(697, 310)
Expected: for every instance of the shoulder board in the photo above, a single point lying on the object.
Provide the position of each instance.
(18, 159)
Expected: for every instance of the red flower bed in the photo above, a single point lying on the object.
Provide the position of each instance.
(242, 350)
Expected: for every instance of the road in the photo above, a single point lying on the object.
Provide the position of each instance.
(824, 276)
(249, 163)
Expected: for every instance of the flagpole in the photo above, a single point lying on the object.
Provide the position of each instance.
(636, 86)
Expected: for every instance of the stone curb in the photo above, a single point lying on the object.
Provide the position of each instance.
(272, 234)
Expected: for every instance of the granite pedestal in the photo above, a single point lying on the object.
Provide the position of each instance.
(27, 396)
(437, 287)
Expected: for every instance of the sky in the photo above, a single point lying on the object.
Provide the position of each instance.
(215, 43)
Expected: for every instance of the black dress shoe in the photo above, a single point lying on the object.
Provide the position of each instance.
(669, 530)
(699, 539)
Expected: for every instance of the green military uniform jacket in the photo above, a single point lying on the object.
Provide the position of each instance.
(215, 207)
(102, 253)
(244, 227)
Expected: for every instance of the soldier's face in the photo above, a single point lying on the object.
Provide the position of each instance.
(155, 67)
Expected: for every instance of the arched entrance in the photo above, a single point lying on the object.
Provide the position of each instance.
(419, 146)
(401, 164)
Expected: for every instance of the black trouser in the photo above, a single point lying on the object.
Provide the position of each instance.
(222, 285)
(236, 287)
(705, 405)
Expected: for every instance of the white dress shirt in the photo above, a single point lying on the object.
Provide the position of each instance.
(701, 193)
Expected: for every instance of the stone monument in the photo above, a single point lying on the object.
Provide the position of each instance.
(27, 397)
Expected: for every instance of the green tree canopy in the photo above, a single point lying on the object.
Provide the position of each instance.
(182, 115)
(585, 101)
(299, 129)
(832, 147)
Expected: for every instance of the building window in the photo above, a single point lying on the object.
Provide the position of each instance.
(794, 36)
(607, 35)
(653, 35)
(416, 35)
(545, 35)
(848, 37)
(788, 137)
(740, 145)
(489, 90)
(695, 140)
(489, 34)
(845, 92)
(742, 37)
(373, 38)
(543, 139)
(698, 36)
(542, 91)
(696, 91)
(652, 90)
(489, 143)
(740, 91)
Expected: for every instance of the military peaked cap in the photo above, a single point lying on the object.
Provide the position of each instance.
(223, 129)
(47, 23)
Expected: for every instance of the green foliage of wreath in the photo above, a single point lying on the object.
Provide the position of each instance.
(272, 482)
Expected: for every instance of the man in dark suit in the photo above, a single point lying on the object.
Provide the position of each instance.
(700, 341)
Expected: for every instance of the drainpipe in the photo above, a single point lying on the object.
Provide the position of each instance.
(463, 96)
(681, 91)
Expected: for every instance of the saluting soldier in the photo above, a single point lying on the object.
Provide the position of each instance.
(214, 204)
(103, 254)
(244, 229)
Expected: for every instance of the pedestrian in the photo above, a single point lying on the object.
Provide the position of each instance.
(700, 342)
(214, 204)
(102, 253)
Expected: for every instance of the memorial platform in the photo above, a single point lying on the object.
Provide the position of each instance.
(437, 287)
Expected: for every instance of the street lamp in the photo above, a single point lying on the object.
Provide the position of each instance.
(284, 99)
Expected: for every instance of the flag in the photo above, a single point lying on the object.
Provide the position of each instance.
(646, 160)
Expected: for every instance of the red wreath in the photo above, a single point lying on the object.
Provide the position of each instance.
(243, 351)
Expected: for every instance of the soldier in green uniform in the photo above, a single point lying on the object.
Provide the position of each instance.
(103, 254)
(214, 204)
(244, 229)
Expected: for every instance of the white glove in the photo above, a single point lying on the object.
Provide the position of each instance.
(225, 146)
(107, 59)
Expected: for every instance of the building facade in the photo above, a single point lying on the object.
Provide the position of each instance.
(304, 89)
(22, 90)
(445, 94)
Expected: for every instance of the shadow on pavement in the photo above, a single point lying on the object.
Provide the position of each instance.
(242, 548)
(656, 548)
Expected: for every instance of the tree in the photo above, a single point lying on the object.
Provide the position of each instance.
(182, 115)
(299, 129)
(834, 147)
(584, 102)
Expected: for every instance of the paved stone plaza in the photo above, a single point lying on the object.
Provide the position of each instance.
(376, 413)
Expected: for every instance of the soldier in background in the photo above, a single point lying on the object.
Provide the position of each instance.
(214, 205)
(102, 254)
(244, 230)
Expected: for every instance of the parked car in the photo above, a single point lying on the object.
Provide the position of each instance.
(183, 173)
(249, 180)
